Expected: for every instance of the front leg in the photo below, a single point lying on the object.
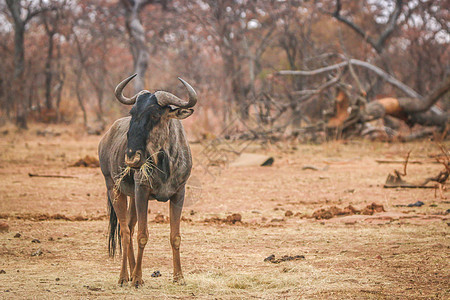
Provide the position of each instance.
(132, 219)
(142, 194)
(176, 206)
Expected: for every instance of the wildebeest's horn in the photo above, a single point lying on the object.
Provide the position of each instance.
(119, 89)
(166, 98)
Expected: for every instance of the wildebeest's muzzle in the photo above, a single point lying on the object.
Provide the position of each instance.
(134, 159)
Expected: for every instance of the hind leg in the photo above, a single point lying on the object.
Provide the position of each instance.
(119, 202)
(132, 219)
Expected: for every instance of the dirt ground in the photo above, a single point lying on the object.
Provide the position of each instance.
(56, 242)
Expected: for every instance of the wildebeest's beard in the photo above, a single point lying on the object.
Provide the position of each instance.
(145, 115)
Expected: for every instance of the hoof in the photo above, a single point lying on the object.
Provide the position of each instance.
(137, 282)
(123, 281)
(179, 280)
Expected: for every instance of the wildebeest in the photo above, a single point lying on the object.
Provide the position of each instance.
(146, 156)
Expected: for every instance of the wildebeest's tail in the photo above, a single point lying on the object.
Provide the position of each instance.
(114, 229)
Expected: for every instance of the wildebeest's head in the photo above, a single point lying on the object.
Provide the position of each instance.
(151, 112)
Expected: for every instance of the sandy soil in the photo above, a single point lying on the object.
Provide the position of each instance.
(400, 253)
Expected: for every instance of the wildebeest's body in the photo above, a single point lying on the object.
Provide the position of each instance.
(172, 154)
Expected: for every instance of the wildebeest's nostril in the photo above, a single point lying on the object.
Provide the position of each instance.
(130, 153)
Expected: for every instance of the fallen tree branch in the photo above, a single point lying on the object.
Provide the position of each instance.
(320, 88)
(51, 176)
(381, 161)
(396, 181)
(412, 105)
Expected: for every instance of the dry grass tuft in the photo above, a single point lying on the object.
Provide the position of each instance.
(119, 179)
(146, 170)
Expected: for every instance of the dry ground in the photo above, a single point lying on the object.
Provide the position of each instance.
(402, 253)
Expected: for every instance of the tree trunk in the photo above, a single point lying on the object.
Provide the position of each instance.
(19, 52)
(14, 6)
(79, 97)
(60, 79)
(19, 67)
(48, 72)
(138, 46)
(99, 92)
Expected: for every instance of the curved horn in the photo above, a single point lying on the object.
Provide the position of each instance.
(119, 89)
(166, 98)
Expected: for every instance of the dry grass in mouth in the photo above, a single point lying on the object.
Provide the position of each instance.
(146, 170)
(118, 180)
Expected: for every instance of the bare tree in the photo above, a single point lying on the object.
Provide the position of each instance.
(137, 39)
(51, 21)
(242, 32)
(21, 13)
(377, 43)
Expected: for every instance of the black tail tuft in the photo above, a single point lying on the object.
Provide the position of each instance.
(114, 229)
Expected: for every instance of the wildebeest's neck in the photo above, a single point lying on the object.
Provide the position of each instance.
(158, 138)
(170, 160)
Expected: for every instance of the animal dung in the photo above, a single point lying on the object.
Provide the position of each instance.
(156, 274)
(38, 252)
(416, 204)
(288, 213)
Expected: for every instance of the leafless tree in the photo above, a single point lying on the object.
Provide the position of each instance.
(21, 12)
(378, 43)
(137, 37)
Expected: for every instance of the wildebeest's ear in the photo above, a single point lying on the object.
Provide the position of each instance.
(180, 113)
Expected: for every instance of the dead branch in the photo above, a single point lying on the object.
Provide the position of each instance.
(413, 105)
(446, 161)
(387, 77)
(440, 178)
(379, 43)
(406, 163)
(356, 78)
(50, 176)
(396, 181)
(381, 161)
(319, 89)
